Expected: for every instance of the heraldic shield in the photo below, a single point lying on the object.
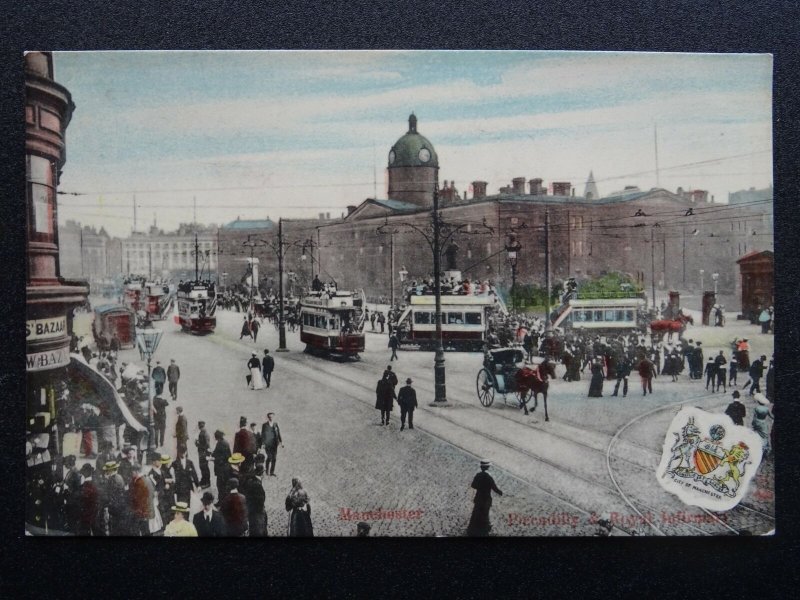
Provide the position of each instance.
(707, 460)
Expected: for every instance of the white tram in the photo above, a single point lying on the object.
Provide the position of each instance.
(603, 316)
(465, 320)
(332, 322)
(197, 303)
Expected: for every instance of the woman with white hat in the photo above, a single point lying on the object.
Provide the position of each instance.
(179, 526)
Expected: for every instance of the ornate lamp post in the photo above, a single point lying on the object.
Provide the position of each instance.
(253, 244)
(715, 277)
(701, 281)
(148, 339)
(512, 248)
(403, 274)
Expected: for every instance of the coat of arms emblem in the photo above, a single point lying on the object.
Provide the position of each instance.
(707, 460)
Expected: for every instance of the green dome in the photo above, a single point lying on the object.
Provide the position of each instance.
(413, 149)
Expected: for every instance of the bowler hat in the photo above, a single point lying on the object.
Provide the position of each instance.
(87, 470)
(207, 498)
(408, 380)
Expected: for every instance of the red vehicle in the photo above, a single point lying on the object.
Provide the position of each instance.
(332, 322)
(159, 300)
(133, 288)
(114, 320)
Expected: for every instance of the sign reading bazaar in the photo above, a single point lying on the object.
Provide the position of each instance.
(51, 359)
(45, 329)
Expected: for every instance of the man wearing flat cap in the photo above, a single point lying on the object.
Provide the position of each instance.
(179, 526)
(484, 485)
(221, 454)
(203, 444)
(114, 499)
(407, 399)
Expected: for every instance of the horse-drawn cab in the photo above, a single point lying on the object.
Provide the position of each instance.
(505, 372)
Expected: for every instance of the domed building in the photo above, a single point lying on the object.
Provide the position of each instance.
(413, 168)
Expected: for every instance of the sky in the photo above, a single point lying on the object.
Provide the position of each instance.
(294, 133)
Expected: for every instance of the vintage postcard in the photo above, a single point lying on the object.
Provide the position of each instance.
(456, 293)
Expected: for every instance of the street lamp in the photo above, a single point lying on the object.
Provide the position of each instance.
(403, 274)
(291, 277)
(715, 277)
(253, 244)
(440, 390)
(512, 247)
(148, 340)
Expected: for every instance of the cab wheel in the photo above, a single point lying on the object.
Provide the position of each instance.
(485, 387)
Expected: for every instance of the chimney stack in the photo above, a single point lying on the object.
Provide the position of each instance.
(350, 210)
(479, 189)
(536, 186)
(518, 184)
(561, 188)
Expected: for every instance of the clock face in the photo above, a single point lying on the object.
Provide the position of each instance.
(391, 157)
(424, 155)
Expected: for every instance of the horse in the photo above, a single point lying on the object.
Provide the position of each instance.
(535, 381)
(671, 326)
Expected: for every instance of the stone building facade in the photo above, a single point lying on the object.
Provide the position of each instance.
(651, 234)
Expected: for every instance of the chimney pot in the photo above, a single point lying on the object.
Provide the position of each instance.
(518, 184)
(479, 189)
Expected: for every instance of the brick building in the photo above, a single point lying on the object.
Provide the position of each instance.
(648, 233)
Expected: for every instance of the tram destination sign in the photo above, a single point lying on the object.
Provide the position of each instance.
(45, 329)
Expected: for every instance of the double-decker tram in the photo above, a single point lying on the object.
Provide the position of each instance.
(159, 300)
(332, 322)
(465, 316)
(197, 302)
(132, 292)
(602, 316)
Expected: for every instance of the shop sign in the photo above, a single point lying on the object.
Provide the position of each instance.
(45, 329)
(51, 359)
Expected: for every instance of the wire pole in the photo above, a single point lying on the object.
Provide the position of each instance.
(547, 325)
(653, 265)
(281, 322)
(440, 395)
(391, 267)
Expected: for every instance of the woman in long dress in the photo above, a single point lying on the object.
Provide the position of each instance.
(300, 511)
(596, 384)
(256, 381)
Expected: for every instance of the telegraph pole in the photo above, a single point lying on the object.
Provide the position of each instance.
(440, 395)
(281, 322)
(653, 265)
(391, 267)
(547, 325)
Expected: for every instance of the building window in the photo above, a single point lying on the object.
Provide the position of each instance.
(41, 191)
(50, 121)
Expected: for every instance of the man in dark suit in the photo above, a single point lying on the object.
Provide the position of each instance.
(271, 437)
(185, 477)
(203, 443)
(407, 399)
(208, 522)
(221, 454)
(267, 366)
(159, 377)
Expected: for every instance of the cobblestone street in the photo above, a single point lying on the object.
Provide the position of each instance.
(554, 475)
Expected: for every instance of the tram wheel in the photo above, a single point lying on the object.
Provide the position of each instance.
(485, 387)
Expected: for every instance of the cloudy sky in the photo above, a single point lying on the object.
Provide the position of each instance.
(291, 134)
